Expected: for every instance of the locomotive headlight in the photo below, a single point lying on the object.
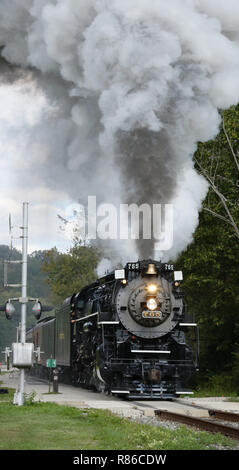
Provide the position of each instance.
(151, 288)
(151, 304)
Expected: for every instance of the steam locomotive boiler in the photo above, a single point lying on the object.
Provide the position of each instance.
(125, 334)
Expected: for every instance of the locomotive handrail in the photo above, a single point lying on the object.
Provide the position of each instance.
(87, 316)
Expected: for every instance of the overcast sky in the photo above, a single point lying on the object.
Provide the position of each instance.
(21, 109)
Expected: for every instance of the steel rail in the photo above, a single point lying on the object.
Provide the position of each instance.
(224, 415)
(200, 423)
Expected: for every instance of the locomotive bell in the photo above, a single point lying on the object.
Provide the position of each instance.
(151, 269)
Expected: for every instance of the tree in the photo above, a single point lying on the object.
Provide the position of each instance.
(211, 262)
(68, 272)
(222, 173)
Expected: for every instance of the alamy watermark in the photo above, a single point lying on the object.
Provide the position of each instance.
(123, 222)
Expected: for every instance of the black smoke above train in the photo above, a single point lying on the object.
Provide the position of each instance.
(125, 334)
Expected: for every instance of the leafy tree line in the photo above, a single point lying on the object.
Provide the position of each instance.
(211, 262)
(69, 272)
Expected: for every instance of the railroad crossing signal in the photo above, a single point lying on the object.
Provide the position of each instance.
(38, 308)
(21, 349)
(8, 308)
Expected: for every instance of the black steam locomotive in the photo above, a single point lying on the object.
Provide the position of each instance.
(126, 334)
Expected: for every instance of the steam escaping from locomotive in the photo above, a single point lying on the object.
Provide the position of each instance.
(131, 86)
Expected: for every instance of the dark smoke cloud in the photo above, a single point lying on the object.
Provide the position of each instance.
(131, 87)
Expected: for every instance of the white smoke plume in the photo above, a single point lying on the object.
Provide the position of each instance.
(132, 86)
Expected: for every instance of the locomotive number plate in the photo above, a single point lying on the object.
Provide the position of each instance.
(168, 267)
(151, 314)
(133, 266)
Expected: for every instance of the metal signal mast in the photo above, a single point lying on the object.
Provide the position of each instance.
(22, 352)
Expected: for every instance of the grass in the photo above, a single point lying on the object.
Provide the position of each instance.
(48, 426)
(8, 396)
(215, 386)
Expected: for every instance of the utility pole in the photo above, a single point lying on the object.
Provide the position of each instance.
(23, 300)
(22, 352)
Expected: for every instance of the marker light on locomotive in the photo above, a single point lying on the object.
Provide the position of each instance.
(119, 274)
(178, 275)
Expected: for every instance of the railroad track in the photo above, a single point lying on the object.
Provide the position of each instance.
(210, 424)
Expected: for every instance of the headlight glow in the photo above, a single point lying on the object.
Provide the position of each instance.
(152, 288)
(152, 304)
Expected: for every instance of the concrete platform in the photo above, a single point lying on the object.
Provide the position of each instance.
(71, 396)
(217, 403)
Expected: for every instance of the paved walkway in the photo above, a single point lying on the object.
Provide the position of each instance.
(81, 398)
(69, 395)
